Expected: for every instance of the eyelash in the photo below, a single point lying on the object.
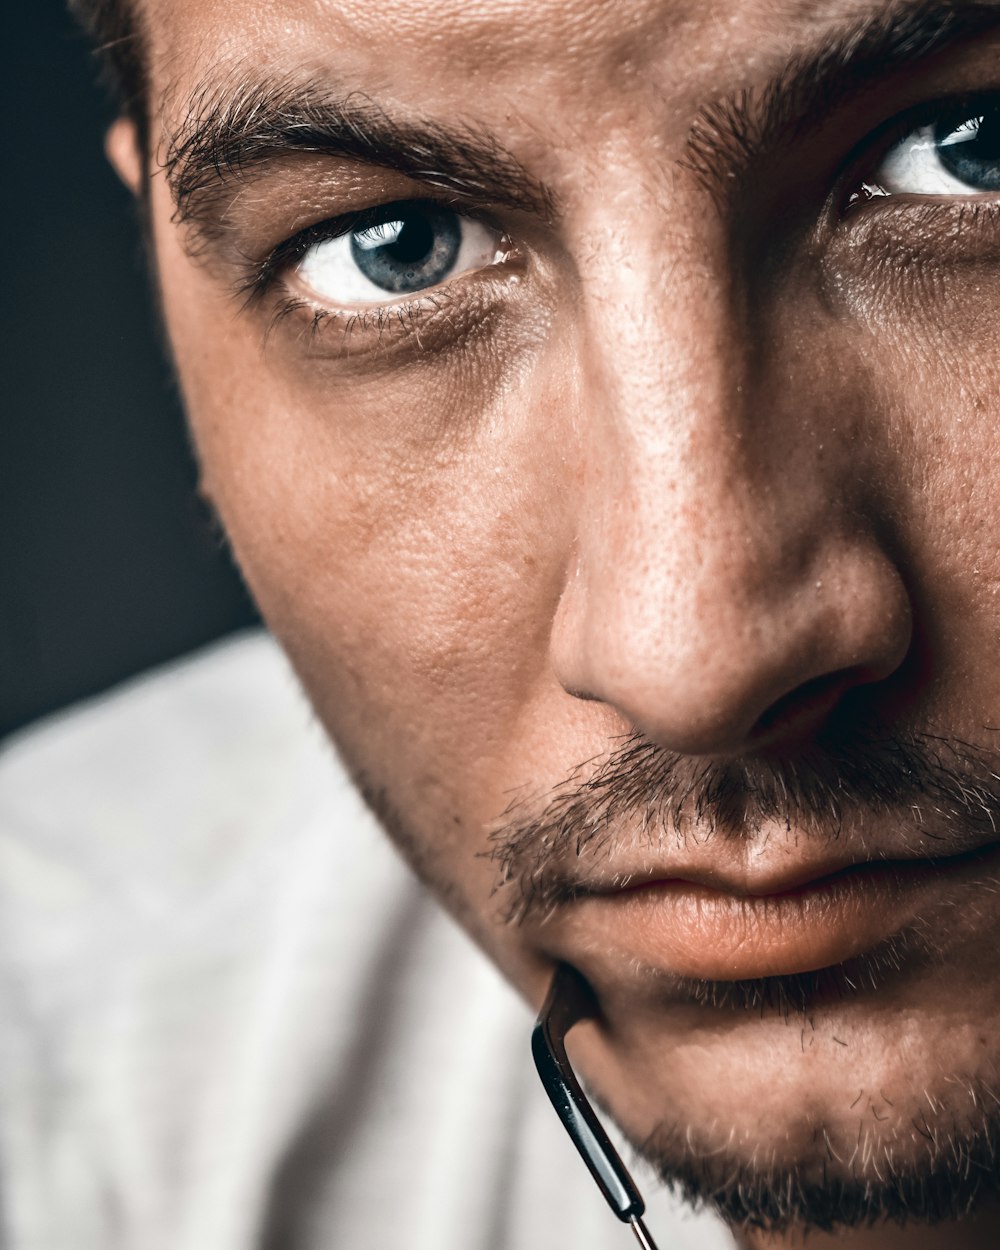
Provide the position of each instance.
(398, 320)
(379, 325)
(269, 271)
(867, 155)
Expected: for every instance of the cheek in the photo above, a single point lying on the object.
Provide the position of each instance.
(930, 343)
(405, 534)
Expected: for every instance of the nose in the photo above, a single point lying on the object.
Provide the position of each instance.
(727, 585)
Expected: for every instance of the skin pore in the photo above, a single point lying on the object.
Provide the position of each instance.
(689, 454)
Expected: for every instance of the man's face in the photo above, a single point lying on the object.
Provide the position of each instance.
(625, 498)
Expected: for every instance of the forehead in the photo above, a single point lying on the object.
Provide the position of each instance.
(512, 52)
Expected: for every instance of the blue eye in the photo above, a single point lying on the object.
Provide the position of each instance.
(950, 157)
(416, 245)
(971, 151)
(417, 249)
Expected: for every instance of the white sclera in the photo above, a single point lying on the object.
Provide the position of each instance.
(914, 167)
(333, 279)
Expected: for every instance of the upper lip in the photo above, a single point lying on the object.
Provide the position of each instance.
(758, 876)
(750, 881)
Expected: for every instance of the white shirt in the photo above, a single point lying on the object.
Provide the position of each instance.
(230, 1019)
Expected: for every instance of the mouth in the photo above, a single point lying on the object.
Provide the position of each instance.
(693, 927)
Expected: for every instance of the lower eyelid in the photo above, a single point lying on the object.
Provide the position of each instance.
(908, 234)
(431, 317)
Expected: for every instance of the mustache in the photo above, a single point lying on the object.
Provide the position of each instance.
(942, 791)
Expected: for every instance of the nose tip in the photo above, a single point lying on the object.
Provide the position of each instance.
(722, 671)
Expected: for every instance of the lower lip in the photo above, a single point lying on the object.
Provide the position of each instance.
(690, 930)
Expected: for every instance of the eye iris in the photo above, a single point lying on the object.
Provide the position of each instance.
(415, 247)
(971, 151)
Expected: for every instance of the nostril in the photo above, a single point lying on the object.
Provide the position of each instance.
(802, 712)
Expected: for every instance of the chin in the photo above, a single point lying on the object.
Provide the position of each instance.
(835, 1182)
(783, 1113)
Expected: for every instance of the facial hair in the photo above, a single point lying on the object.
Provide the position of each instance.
(940, 795)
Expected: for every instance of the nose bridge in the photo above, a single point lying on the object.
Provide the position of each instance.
(688, 510)
(717, 568)
(686, 489)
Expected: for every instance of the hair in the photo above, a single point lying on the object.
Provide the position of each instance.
(114, 30)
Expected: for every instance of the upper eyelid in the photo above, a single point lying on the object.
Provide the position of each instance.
(960, 107)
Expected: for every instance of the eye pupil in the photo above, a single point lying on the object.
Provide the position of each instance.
(416, 246)
(971, 151)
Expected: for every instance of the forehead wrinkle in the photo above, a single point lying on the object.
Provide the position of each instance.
(515, 28)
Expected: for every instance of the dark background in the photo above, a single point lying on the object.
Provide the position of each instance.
(108, 561)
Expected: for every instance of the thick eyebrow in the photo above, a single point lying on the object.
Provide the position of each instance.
(228, 134)
(729, 135)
